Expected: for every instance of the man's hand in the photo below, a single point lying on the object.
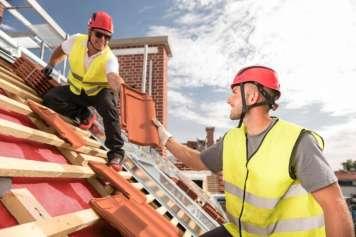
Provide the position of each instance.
(164, 135)
(47, 70)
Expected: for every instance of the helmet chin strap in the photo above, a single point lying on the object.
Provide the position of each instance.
(269, 101)
(244, 105)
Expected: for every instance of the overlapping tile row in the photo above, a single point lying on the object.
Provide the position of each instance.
(132, 218)
(137, 111)
(54, 120)
(32, 75)
(128, 211)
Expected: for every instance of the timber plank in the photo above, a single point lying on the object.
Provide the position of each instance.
(7, 86)
(55, 226)
(9, 128)
(24, 206)
(15, 167)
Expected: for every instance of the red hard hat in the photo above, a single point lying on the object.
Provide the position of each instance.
(101, 20)
(264, 76)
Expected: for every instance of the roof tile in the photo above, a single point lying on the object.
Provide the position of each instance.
(132, 218)
(54, 120)
(137, 112)
(118, 182)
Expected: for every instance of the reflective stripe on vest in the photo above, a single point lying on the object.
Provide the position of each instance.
(93, 90)
(262, 202)
(293, 225)
(94, 78)
(261, 197)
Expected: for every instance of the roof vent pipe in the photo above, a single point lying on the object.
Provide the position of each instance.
(150, 79)
(144, 71)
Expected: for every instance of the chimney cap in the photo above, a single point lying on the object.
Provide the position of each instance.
(142, 41)
(210, 128)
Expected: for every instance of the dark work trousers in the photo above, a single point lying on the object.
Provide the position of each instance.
(217, 232)
(63, 101)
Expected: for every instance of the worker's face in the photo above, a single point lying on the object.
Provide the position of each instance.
(234, 100)
(99, 38)
(252, 96)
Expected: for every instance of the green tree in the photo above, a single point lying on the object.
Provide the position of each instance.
(349, 165)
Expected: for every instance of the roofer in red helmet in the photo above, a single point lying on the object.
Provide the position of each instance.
(93, 80)
(277, 181)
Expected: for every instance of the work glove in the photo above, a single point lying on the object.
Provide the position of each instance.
(163, 134)
(47, 70)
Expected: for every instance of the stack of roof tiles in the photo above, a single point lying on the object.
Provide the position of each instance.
(206, 206)
(32, 75)
(213, 213)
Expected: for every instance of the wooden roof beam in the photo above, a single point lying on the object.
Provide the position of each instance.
(16, 167)
(8, 86)
(55, 226)
(8, 128)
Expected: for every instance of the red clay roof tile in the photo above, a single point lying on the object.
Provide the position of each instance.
(118, 182)
(54, 120)
(132, 218)
(137, 112)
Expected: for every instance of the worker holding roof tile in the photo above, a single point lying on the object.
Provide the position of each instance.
(277, 180)
(93, 80)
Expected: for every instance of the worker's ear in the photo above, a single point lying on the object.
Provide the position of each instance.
(253, 95)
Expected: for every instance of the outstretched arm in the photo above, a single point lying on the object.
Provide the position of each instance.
(187, 155)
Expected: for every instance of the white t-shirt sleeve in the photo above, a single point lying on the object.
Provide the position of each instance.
(68, 43)
(112, 65)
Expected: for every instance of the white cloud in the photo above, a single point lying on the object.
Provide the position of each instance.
(207, 114)
(311, 44)
(340, 143)
(312, 48)
(176, 98)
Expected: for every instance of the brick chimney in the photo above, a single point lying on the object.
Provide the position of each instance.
(2, 10)
(209, 136)
(130, 53)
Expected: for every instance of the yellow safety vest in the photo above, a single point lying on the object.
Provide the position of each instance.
(92, 80)
(261, 197)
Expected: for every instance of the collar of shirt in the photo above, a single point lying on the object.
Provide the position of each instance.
(94, 55)
(88, 59)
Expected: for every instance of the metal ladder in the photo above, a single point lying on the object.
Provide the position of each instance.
(153, 172)
(148, 169)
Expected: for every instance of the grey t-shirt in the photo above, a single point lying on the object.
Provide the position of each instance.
(309, 164)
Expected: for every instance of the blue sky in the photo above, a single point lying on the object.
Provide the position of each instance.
(311, 44)
(132, 18)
